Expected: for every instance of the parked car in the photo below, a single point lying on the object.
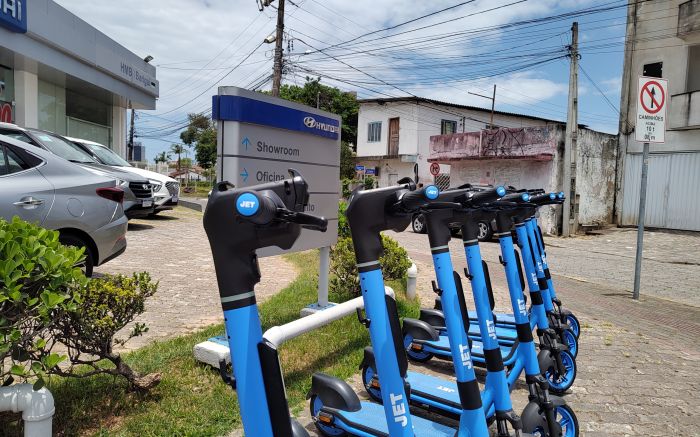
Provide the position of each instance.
(485, 229)
(138, 192)
(42, 188)
(166, 190)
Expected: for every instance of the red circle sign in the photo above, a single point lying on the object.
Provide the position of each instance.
(6, 113)
(434, 169)
(651, 102)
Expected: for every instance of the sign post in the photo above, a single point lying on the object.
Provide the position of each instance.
(650, 128)
(260, 137)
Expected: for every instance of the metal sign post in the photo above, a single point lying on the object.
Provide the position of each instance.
(260, 137)
(650, 128)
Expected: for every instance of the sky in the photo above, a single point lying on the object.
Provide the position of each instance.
(198, 45)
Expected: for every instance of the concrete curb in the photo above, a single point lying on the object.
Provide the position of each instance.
(196, 204)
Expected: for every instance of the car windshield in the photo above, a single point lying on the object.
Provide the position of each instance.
(63, 148)
(107, 156)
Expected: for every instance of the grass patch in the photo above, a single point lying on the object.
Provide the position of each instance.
(192, 399)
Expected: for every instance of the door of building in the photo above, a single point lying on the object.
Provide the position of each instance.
(394, 136)
(669, 203)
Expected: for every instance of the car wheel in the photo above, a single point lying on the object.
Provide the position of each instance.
(485, 232)
(418, 224)
(89, 263)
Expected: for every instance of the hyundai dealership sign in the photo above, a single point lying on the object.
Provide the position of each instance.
(261, 137)
(13, 15)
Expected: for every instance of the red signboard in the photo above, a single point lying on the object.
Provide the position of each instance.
(434, 169)
(5, 112)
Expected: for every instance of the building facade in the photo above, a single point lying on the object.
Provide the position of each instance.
(662, 40)
(393, 135)
(60, 74)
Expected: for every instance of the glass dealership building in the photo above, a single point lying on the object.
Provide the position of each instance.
(60, 74)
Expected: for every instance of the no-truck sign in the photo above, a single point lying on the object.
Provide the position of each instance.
(651, 110)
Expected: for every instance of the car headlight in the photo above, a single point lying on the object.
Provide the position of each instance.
(155, 185)
(122, 183)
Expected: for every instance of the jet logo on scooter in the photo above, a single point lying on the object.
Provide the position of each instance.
(522, 307)
(466, 356)
(491, 327)
(398, 407)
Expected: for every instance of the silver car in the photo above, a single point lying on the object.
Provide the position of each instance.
(138, 191)
(42, 188)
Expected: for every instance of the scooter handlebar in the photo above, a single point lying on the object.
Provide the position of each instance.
(417, 199)
(544, 199)
(486, 196)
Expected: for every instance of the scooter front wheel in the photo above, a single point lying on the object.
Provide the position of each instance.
(559, 383)
(372, 387)
(572, 321)
(535, 422)
(569, 338)
(327, 429)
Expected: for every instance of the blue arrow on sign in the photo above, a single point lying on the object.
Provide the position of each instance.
(246, 142)
(245, 175)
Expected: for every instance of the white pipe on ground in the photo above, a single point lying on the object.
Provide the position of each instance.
(411, 280)
(37, 408)
(277, 335)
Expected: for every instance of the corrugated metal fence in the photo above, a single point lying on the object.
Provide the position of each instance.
(673, 193)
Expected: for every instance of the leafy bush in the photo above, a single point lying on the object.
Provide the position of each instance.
(108, 305)
(46, 302)
(39, 284)
(369, 182)
(344, 283)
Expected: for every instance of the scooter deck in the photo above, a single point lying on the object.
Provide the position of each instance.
(370, 419)
(502, 319)
(442, 346)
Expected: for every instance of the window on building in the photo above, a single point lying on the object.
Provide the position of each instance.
(374, 132)
(693, 69)
(448, 127)
(653, 70)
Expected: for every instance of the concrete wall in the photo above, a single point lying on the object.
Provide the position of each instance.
(595, 176)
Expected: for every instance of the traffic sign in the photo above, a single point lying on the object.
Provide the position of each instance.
(260, 137)
(370, 171)
(651, 110)
(359, 168)
(434, 169)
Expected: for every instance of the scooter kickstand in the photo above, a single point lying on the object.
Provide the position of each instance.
(228, 379)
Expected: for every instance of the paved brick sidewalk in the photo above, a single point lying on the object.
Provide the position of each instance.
(174, 249)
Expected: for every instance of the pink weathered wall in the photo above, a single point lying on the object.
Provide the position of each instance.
(503, 143)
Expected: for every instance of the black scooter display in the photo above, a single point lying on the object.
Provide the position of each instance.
(237, 223)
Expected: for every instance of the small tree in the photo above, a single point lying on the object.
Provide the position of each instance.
(179, 150)
(162, 157)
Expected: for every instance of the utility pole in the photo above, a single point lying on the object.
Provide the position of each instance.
(493, 103)
(130, 149)
(571, 137)
(279, 36)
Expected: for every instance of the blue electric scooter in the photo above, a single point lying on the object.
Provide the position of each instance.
(504, 323)
(237, 222)
(546, 415)
(335, 408)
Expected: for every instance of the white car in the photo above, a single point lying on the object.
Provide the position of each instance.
(166, 190)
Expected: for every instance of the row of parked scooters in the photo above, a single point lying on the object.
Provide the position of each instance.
(240, 221)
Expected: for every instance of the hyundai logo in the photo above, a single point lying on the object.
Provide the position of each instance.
(310, 122)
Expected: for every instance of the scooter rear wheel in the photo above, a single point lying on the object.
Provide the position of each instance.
(368, 373)
(560, 383)
(315, 406)
(414, 355)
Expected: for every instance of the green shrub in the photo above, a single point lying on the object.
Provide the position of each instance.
(108, 305)
(39, 284)
(46, 302)
(369, 182)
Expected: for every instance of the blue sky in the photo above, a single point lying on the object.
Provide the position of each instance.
(198, 45)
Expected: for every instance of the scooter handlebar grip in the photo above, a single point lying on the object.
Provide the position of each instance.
(414, 200)
(487, 196)
(313, 222)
